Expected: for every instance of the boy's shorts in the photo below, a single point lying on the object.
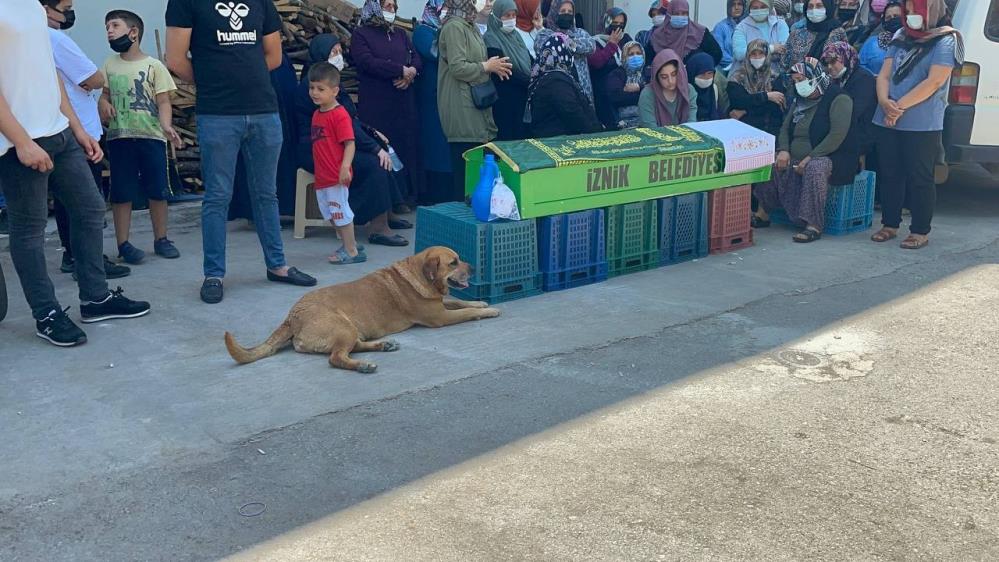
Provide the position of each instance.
(138, 166)
(334, 206)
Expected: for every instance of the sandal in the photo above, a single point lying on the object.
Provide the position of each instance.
(757, 222)
(383, 240)
(343, 258)
(806, 236)
(914, 242)
(400, 224)
(884, 235)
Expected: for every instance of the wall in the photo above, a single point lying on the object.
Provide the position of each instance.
(706, 12)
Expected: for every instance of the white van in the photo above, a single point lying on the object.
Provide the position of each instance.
(971, 123)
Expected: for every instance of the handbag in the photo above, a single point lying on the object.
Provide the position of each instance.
(484, 95)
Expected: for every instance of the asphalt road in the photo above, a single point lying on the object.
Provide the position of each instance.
(789, 402)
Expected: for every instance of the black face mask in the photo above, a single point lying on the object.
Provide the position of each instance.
(121, 44)
(70, 18)
(892, 24)
(565, 21)
(846, 16)
(613, 27)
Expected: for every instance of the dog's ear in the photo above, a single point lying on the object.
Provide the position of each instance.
(436, 274)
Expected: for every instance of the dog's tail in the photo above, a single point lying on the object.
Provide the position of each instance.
(279, 339)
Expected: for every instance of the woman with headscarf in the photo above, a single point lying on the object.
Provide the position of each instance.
(433, 143)
(387, 65)
(873, 52)
(684, 36)
(668, 99)
(912, 97)
(751, 94)
(658, 13)
(373, 191)
(840, 60)
(711, 87)
(723, 31)
(562, 19)
(503, 41)
(463, 64)
(624, 86)
(605, 60)
(762, 23)
(529, 22)
(814, 148)
(556, 104)
(821, 28)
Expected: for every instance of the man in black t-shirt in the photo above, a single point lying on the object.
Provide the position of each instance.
(233, 45)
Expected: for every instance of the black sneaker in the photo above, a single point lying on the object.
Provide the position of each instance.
(112, 270)
(115, 305)
(166, 249)
(211, 290)
(58, 329)
(68, 263)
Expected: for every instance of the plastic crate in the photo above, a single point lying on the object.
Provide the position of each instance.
(731, 242)
(849, 208)
(493, 293)
(632, 232)
(683, 228)
(572, 249)
(500, 252)
(731, 210)
(849, 226)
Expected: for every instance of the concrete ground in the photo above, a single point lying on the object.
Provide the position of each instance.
(825, 401)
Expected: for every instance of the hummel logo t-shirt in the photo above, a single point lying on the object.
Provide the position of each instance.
(227, 52)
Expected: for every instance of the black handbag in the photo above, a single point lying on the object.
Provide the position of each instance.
(484, 95)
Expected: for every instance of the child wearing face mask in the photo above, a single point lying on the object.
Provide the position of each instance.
(624, 87)
(136, 108)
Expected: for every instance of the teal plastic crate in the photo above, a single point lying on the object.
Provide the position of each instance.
(500, 252)
(493, 293)
(632, 233)
(849, 208)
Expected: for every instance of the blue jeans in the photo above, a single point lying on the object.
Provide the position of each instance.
(222, 138)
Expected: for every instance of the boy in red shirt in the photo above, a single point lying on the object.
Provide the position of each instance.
(333, 152)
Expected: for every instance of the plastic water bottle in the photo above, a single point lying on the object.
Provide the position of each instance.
(483, 193)
(396, 161)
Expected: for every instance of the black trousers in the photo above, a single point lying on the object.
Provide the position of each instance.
(456, 190)
(62, 216)
(906, 160)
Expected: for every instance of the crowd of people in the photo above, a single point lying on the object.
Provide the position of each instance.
(842, 84)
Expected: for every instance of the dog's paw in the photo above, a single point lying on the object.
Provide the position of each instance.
(390, 345)
(489, 313)
(367, 368)
(478, 304)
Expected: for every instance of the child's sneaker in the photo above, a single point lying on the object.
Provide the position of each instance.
(112, 270)
(166, 249)
(114, 305)
(58, 329)
(130, 253)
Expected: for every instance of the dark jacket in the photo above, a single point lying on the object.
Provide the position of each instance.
(560, 107)
(508, 111)
(846, 158)
(616, 96)
(761, 113)
(862, 89)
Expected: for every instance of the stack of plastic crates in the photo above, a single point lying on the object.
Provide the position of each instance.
(849, 208)
(730, 218)
(632, 237)
(504, 254)
(572, 249)
(683, 228)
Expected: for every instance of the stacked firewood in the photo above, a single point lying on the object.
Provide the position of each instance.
(302, 20)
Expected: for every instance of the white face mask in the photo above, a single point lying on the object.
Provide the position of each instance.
(703, 83)
(758, 62)
(805, 88)
(914, 21)
(337, 61)
(480, 5)
(759, 15)
(389, 16)
(817, 15)
(658, 20)
(799, 7)
(509, 25)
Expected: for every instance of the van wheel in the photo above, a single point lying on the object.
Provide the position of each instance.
(941, 172)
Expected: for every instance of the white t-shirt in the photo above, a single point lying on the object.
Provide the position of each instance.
(27, 70)
(74, 67)
(528, 37)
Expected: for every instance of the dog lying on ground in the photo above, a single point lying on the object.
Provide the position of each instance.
(350, 317)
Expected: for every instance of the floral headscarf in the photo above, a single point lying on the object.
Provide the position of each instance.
(811, 69)
(754, 80)
(462, 9)
(843, 52)
(432, 13)
(554, 55)
(552, 17)
(885, 36)
(371, 15)
(613, 13)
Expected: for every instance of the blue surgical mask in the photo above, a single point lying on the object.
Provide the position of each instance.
(635, 62)
(679, 21)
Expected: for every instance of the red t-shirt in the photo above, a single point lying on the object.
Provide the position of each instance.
(330, 129)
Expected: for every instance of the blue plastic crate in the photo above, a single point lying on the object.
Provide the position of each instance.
(493, 293)
(500, 252)
(572, 249)
(849, 226)
(849, 208)
(683, 228)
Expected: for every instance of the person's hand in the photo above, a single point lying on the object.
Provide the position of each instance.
(737, 113)
(409, 73)
(384, 160)
(800, 168)
(616, 35)
(33, 156)
(90, 146)
(783, 159)
(538, 20)
(632, 87)
(778, 49)
(106, 110)
(345, 175)
(500, 66)
(890, 121)
(173, 137)
(891, 109)
(401, 83)
(777, 98)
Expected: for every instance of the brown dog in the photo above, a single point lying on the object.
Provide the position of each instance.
(345, 318)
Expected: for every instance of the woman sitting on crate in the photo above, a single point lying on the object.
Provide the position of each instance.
(815, 147)
(752, 96)
(668, 99)
(556, 104)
